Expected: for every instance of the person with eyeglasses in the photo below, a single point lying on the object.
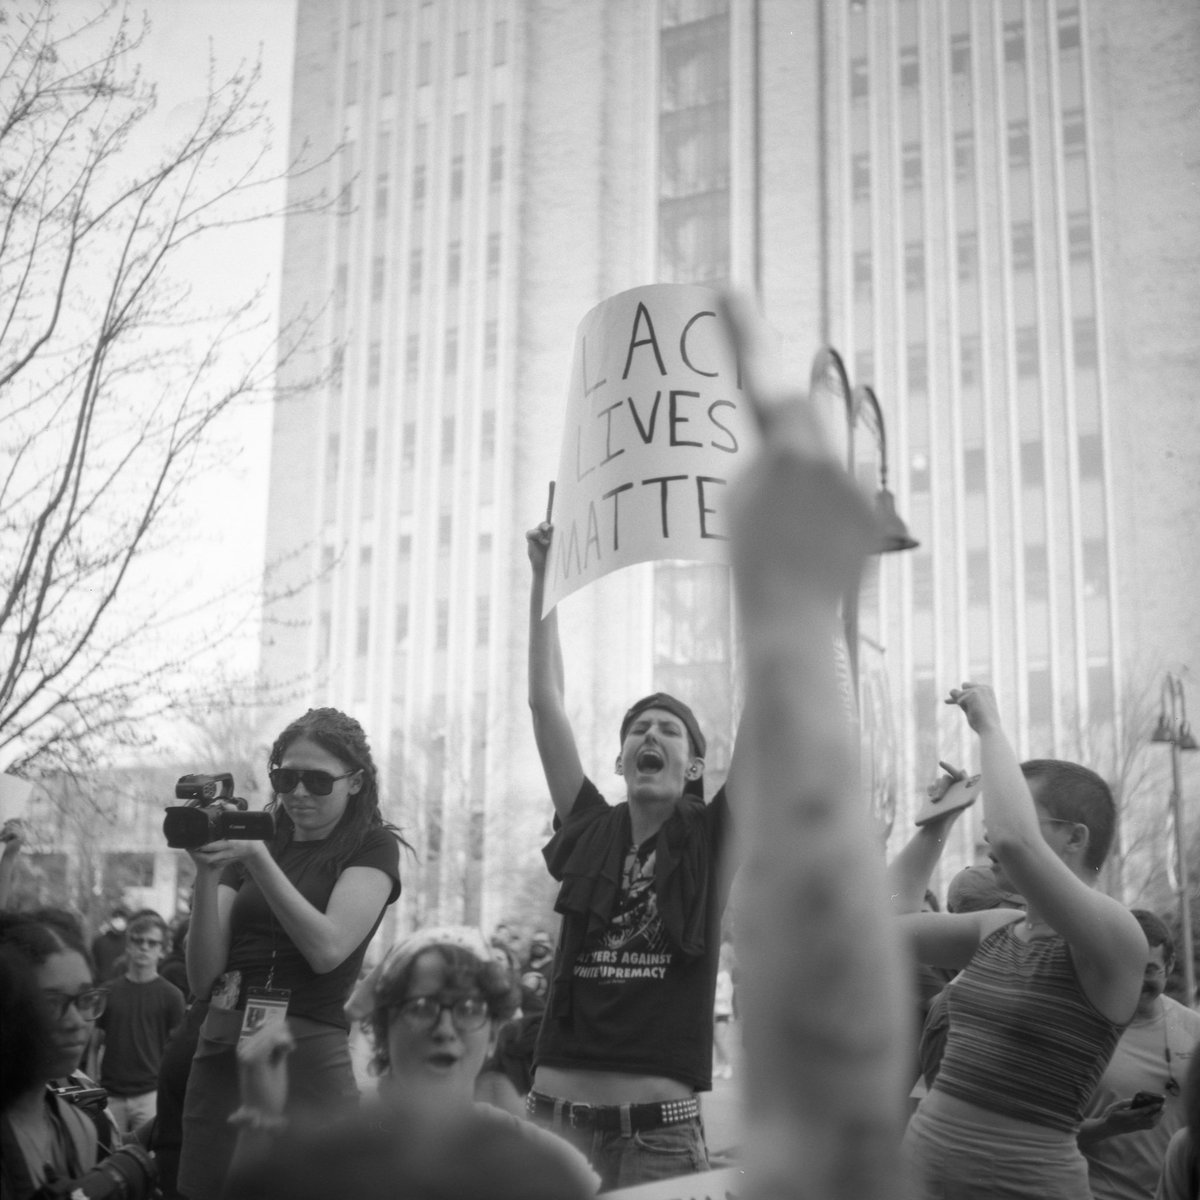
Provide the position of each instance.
(1043, 996)
(431, 1009)
(143, 1012)
(1138, 1105)
(44, 1138)
(279, 930)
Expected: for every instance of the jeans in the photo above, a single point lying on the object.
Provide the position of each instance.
(645, 1156)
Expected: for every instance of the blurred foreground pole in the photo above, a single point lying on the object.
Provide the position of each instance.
(824, 998)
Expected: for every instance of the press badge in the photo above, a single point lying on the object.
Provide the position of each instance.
(264, 1007)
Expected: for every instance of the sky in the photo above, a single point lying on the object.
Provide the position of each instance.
(225, 513)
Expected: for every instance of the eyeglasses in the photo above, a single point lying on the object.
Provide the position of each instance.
(316, 783)
(145, 943)
(422, 1013)
(89, 1003)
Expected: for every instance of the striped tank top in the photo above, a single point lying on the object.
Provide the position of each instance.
(1024, 1040)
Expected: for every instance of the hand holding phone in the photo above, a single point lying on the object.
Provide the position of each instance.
(1147, 1099)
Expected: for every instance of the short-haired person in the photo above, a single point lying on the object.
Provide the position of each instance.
(143, 1011)
(626, 1041)
(1125, 1141)
(1043, 996)
(287, 921)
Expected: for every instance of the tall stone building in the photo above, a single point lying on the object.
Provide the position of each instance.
(987, 206)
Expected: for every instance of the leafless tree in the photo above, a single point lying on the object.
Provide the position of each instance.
(114, 379)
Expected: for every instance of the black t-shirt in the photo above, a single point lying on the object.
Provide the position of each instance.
(639, 1003)
(257, 938)
(137, 1021)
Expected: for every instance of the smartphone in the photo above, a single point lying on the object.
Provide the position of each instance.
(1147, 1100)
(960, 794)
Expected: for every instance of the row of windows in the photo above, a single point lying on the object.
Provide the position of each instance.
(390, 74)
(1021, 245)
(1089, 456)
(408, 445)
(1037, 574)
(909, 65)
(362, 636)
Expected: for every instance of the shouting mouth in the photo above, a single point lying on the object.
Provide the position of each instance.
(650, 759)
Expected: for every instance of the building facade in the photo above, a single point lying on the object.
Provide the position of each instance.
(951, 192)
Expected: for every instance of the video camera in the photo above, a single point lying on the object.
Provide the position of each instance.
(204, 818)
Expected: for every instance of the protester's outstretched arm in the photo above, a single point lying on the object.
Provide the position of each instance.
(826, 1014)
(547, 687)
(1108, 947)
(908, 874)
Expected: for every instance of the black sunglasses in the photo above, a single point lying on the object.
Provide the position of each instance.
(316, 783)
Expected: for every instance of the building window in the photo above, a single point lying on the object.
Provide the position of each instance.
(370, 456)
(419, 177)
(445, 527)
(1037, 573)
(387, 73)
(500, 43)
(1095, 567)
(1083, 340)
(862, 274)
(968, 256)
(918, 472)
(450, 351)
(910, 166)
(485, 543)
(495, 166)
(1028, 358)
(374, 364)
(462, 52)
(964, 155)
(333, 447)
(971, 362)
(1091, 456)
(493, 255)
(979, 577)
(341, 283)
(337, 368)
(922, 580)
(487, 433)
(974, 469)
(378, 276)
(456, 177)
(408, 446)
(1022, 246)
(910, 67)
(412, 356)
(860, 79)
(864, 365)
(447, 439)
(364, 557)
(860, 177)
(960, 54)
(1068, 29)
(414, 270)
(443, 624)
(1079, 236)
(453, 264)
(1073, 133)
(1032, 468)
(490, 344)
(918, 366)
(1014, 42)
(404, 546)
(401, 622)
(362, 641)
(1018, 143)
(914, 266)
(424, 64)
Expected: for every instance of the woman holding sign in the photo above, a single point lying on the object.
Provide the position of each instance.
(279, 930)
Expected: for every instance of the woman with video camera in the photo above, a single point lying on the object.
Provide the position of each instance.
(279, 929)
(55, 1137)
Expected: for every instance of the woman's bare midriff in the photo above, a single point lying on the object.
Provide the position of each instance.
(606, 1087)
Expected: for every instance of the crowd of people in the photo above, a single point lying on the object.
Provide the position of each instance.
(1047, 1060)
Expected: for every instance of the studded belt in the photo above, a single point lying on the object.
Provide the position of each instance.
(625, 1118)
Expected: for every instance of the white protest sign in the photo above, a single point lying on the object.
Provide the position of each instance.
(14, 797)
(656, 427)
(725, 1184)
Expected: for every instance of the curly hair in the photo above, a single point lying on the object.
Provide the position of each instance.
(462, 971)
(39, 935)
(343, 737)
